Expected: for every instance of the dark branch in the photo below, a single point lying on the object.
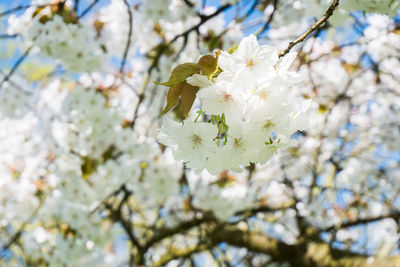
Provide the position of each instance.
(325, 17)
(188, 3)
(23, 7)
(271, 17)
(16, 65)
(88, 8)
(395, 216)
(128, 42)
(76, 4)
(202, 21)
(8, 36)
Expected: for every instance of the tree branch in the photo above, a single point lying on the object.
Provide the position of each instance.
(7, 36)
(395, 216)
(15, 67)
(328, 14)
(19, 233)
(300, 254)
(202, 21)
(88, 8)
(271, 17)
(76, 6)
(128, 42)
(181, 253)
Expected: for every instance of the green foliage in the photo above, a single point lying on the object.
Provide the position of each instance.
(179, 89)
(180, 73)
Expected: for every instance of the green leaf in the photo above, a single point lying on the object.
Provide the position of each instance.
(180, 73)
(188, 97)
(183, 91)
(174, 93)
(209, 64)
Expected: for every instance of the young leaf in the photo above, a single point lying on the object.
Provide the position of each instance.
(180, 73)
(174, 93)
(208, 65)
(187, 94)
(188, 97)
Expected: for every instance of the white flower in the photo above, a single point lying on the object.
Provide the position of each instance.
(285, 76)
(199, 80)
(250, 63)
(269, 150)
(192, 142)
(222, 97)
(14, 103)
(56, 30)
(223, 201)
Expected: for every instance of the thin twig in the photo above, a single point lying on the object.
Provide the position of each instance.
(16, 65)
(188, 3)
(8, 36)
(117, 216)
(271, 17)
(22, 7)
(18, 234)
(328, 13)
(203, 20)
(128, 42)
(141, 99)
(76, 6)
(88, 8)
(14, 9)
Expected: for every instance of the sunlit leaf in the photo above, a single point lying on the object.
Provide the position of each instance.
(209, 65)
(174, 93)
(180, 73)
(188, 97)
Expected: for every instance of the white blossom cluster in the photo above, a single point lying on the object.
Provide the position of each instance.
(293, 16)
(247, 112)
(224, 201)
(14, 103)
(86, 127)
(376, 6)
(224, 195)
(89, 126)
(75, 45)
(74, 147)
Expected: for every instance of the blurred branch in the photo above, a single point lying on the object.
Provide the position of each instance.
(265, 209)
(8, 36)
(128, 42)
(18, 234)
(298, 254)
(15, 67)
(271, 17)
(328, 14)
(203, 19)
(88, 8)
(22, 7)
(175, 253)
(249, 12)
(117, 216)
(141, 98)
(15, 9)
(395, 216)
(188, 3)
(163, 233)
(76, 6)
(304, 253)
